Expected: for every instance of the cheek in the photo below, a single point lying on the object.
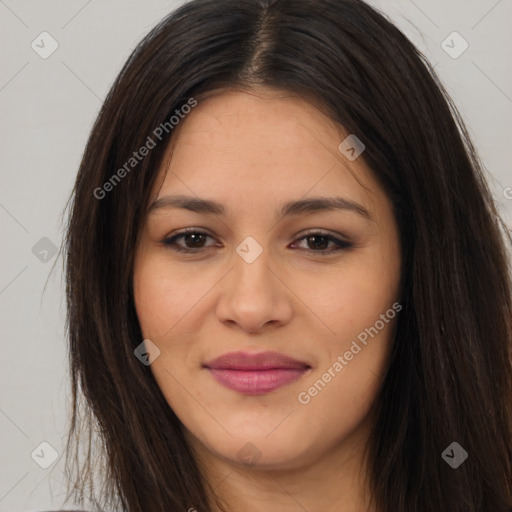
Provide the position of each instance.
(357, 305)
(163, 297)
(347, 380)
(153, 301)
(353, 298)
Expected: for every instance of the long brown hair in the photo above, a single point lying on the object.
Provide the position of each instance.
(450, 374)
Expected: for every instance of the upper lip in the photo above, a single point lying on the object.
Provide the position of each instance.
(246, 361)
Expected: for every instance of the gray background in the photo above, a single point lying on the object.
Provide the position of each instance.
(48, 107)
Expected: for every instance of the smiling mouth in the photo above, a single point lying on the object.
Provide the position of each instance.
(256, 374)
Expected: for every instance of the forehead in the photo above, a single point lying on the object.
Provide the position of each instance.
(263, 145)
(233, 117)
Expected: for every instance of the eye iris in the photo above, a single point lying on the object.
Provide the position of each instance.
(318, 242)
(197, 240)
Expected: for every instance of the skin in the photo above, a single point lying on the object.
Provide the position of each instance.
(252, 152)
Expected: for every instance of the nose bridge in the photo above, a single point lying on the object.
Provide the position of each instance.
(252, 266)
(252, 296)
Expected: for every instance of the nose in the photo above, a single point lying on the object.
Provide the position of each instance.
(254, 296)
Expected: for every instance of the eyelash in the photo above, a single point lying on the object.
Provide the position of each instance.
(171, 242)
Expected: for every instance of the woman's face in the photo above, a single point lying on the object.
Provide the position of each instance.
(270, 271)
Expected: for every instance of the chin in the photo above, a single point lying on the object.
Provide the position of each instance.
(281, 449)
(263, 454)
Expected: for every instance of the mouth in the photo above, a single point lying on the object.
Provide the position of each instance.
(256, 374)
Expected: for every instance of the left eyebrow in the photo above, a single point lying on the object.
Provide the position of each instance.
(317, 204)
(298, 207)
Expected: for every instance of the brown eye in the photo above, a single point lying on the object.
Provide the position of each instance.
(193, 241)
(319, 243)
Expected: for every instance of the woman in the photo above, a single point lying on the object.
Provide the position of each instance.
(287, 282)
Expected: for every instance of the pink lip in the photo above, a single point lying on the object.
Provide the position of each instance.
(255, 374)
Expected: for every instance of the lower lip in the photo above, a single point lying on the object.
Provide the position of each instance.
(257, 382)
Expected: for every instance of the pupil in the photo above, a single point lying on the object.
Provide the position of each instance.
(196, 239)
(317, 241)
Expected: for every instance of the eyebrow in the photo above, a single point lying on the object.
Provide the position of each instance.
(298, 207)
